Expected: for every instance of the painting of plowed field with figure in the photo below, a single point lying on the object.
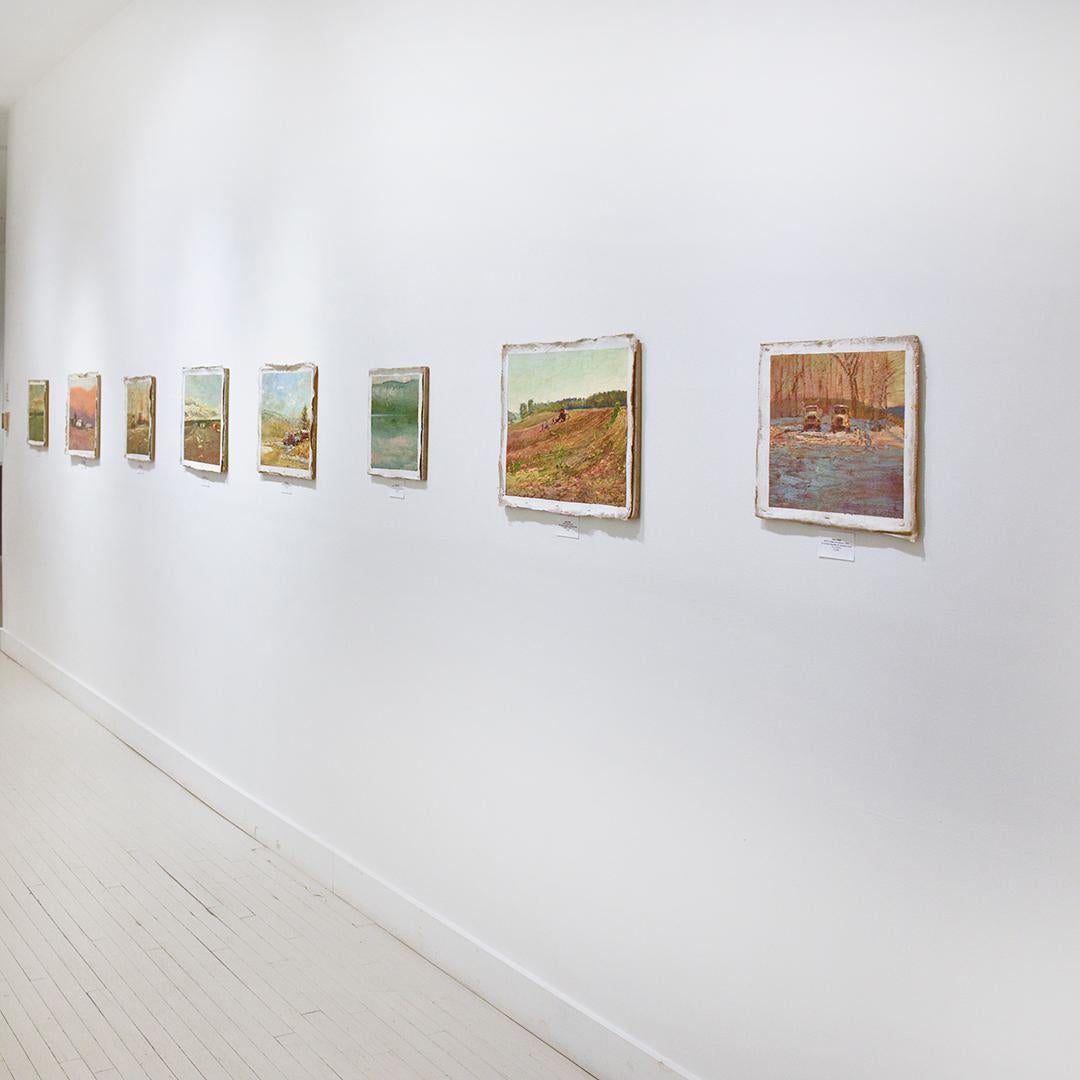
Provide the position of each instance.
(206, 418)
(839, 427)
(570, 427)
(287, 412)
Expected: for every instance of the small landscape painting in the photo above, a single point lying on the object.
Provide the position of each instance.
(37, 412)
(141, 391)
(84, 415)
(288, 403)
(399, 422)
(571, 431)
(206, 419)
(838, 433)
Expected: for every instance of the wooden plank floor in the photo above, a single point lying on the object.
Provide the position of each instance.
(141, 935)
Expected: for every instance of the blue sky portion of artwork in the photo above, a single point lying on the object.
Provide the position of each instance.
(286, 392)
(203, 390)
(551, 376)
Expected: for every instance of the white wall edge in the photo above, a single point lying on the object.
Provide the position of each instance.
(591, 1042)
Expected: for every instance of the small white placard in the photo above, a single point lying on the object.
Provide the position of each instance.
(567, 529)
(397, 490)
(837, 546)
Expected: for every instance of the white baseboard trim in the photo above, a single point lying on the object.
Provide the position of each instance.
(597, 1046)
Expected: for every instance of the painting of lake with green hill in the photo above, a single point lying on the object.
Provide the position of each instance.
(399, 423)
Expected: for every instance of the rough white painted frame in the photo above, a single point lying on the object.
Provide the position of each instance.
(906, 526)
(629, 509)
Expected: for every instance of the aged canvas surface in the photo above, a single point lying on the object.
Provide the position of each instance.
(37, 412)
(570, 427)
(288, 402)
(399, 405)
(84, 415)
(838, 433)
(141, 391)
(206, 418)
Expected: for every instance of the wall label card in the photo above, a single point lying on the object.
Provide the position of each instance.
(568, 528)
(397, 491)
(840, 545)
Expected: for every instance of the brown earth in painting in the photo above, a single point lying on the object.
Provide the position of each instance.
(581, 460)
(202, 441)
(138, 438)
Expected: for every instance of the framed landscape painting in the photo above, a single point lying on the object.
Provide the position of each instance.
(288, 406)
(206, 419)
(37, 412)
(83, 430)
(141, 393)
(571, 432)
(838, 433)
(399, 423)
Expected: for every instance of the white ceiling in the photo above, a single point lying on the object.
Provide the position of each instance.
(37, 34)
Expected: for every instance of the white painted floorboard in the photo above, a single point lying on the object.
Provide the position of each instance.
(142, 935)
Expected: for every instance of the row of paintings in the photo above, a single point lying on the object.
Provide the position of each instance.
(288, 419)
(837, 427)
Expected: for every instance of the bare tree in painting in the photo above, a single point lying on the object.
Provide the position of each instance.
(849, 364)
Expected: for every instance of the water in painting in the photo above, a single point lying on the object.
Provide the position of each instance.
(836, 432)
(397, 406)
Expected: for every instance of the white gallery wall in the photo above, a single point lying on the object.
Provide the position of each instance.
(767, 816)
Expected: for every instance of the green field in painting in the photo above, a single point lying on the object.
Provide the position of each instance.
(37, 426)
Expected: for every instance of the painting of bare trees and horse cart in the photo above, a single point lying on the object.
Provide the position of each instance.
(838, 433)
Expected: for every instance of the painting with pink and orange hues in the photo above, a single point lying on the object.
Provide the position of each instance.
(83, 428)
(838, 433)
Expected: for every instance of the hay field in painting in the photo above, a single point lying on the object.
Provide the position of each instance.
(287, 420)
(37, 417)
(204, 417)
(568, 425)
(836, 433)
